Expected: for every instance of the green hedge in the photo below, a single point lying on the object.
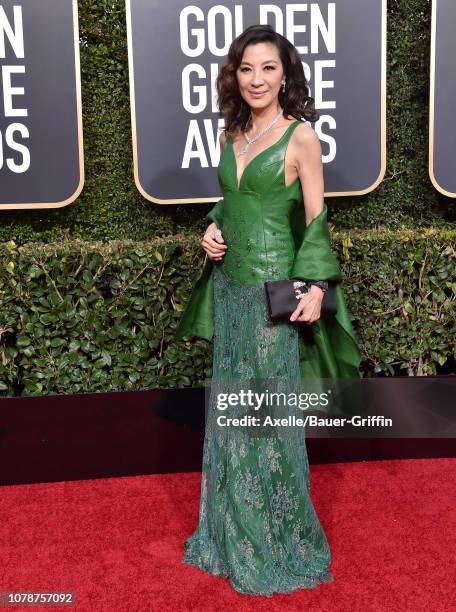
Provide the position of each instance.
(82, 308)
(85, 316)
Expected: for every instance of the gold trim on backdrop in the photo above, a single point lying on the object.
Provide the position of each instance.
(432, 106)
(151, 198)
(140, 188)
(80, 186)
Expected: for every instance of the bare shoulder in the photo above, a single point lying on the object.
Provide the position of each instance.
(304, 143)
(222, 140)
(305, 136)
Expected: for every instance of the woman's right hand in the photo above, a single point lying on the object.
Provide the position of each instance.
(215, 247)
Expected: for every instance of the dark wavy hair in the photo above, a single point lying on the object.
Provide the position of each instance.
(295, 101)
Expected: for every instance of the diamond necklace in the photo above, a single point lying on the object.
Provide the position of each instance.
(262, 133)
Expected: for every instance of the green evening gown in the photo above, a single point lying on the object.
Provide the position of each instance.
(257, 524)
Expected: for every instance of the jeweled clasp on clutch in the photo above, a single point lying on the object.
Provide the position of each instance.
(296, 286)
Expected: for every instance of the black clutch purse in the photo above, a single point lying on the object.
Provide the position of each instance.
(282, 297)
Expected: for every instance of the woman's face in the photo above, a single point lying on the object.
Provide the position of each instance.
(260, 75)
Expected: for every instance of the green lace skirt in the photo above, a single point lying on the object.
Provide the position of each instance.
(257, 524)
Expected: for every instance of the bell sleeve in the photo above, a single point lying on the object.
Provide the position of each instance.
(216, 213)
(198, 316)
(314, 259)
(335, 352)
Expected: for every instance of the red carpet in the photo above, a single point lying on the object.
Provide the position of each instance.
(117, 542)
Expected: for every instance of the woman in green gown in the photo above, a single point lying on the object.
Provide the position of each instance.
(257, 524)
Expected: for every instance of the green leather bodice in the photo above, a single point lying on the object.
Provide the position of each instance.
(256, 215)
(264, 226)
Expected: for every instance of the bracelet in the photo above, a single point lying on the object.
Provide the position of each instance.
(322, 284)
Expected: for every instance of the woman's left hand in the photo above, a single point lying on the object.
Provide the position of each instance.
(309, 308)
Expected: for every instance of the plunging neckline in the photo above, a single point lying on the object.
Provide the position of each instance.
(238, 184)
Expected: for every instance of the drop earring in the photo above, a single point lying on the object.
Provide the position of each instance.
(283, 86)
